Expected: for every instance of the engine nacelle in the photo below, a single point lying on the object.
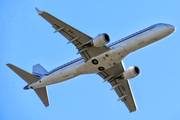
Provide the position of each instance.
(100, 40)
(131, 72)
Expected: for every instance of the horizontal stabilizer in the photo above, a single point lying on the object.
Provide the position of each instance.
(43, 95)
(29, 78)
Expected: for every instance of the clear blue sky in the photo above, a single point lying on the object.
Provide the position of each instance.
(27, 39)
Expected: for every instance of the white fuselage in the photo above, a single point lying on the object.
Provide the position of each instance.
(119, 50)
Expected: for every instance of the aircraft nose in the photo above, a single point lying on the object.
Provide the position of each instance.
(171, 28)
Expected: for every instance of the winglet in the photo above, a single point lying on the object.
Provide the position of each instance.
(38, 11)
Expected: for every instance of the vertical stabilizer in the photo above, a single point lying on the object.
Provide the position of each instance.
(38, 70)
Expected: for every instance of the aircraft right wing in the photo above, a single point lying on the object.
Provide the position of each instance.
(74, 36)
(122, 87)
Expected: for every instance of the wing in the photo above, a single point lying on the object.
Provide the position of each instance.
(122, 87)
(74, 36)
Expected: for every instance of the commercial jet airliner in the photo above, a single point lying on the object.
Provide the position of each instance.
(97, 57)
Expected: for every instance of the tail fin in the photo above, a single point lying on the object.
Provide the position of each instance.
(30, 78)
(38, 70)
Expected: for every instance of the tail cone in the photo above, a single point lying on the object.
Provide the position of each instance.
(26, 87)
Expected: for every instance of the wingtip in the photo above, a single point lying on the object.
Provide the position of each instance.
(47, 105)
(38, 11)
(8, 64)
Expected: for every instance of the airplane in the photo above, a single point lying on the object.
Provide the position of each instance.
(97, 57)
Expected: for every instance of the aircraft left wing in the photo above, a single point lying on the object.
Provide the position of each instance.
(122, 87)
(74, 36)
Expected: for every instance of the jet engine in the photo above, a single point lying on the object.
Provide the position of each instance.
(131, 72)
(100, 40)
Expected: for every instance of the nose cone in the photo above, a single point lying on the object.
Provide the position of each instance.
(171, 28)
